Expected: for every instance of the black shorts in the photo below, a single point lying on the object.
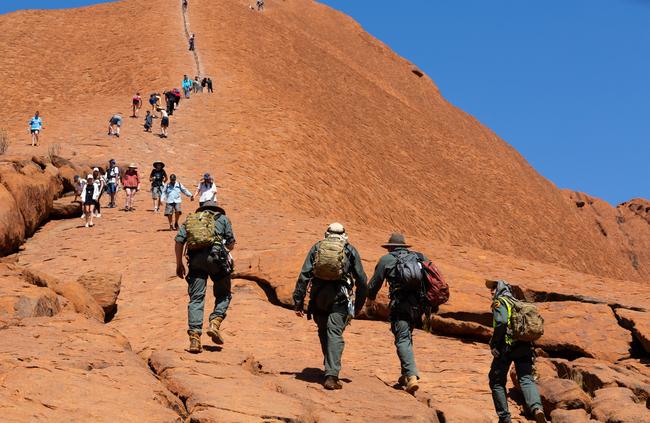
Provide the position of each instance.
(35, 131)
(165, 121)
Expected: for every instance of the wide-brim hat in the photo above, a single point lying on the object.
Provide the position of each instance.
(211, 205)
(159, 163)
(396, 240)
(133, 166)
(491, 283)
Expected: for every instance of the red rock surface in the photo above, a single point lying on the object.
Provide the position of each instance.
(298, 133)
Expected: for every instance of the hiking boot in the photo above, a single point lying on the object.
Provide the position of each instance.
(195, 342)
(402, 380)
(213, 330)
(332, 383)
(539, 416)
(412, 384)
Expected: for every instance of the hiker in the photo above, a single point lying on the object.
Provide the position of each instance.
(260, 5)
(148, 122)
(204, 83)
(153, 101)
(164, 124)
(101, 184)
(158, 179)
(505, 351)
(185, 4)
(209, 82)
(405, 310)
(171, 195)
(187, 86)
(114, 124)
(112, 177)
(206, 191)
(191, 42)
(208, 253)
(196, 85)
(333, 267)
(89, 196)
(35, 128)
(169, 101)
(177, 98)
(137, 104)
(78, 184)
(131, 184)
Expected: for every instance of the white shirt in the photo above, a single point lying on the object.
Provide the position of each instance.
(112, 175)
(207, 193)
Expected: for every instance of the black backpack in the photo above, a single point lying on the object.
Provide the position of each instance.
(408, 272)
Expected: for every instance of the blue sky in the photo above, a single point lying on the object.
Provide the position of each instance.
(567, 83)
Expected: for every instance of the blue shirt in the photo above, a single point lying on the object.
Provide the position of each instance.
(172, 192)
(36, 123)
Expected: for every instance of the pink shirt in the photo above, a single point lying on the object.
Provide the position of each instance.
(130, 180)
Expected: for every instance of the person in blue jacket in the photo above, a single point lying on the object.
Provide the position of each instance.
(35, 128)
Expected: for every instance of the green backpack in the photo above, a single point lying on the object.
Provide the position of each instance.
(200, 229)
(526, 323)
(330, 262)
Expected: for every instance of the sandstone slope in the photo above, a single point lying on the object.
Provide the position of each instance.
(312, 120)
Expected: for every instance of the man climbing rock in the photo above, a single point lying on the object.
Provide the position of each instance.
(505, 351)
(191, 41)
(405, 311)
(333, 267)
(207, 238)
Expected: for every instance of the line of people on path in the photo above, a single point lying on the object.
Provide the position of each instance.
(172, 102)
(334, 278)
(164, 189)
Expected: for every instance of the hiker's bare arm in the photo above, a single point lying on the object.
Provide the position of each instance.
(178, 250)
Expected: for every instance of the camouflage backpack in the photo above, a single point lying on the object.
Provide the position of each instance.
(330, 262)
(200, 228)
(526, 323)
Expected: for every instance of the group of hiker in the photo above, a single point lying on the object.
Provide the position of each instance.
(164, 189)
(334, 277)
(172, 99)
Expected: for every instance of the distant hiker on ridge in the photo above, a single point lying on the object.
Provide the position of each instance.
(506, 350)
(153, 101)
(148, 121)
(208, 249)
(333, 267)
(158, 179)
(209, 82)
(191, 42)
(403, 269)
(164, 124)
(114, 124)
(260, 5)
(35, 128)
(137, 104)
(170, 99)
(186, 85)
